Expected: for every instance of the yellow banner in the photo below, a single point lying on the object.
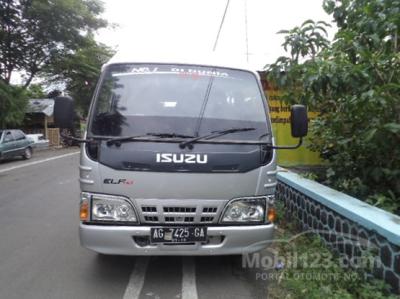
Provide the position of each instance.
(280, 118)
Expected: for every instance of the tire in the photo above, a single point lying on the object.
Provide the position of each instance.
(27, 153)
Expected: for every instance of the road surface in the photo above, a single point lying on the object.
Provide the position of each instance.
(40, 255)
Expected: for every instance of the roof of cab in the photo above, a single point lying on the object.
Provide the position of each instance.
(204, 59)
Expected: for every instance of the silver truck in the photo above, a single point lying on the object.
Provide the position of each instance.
(178, 159)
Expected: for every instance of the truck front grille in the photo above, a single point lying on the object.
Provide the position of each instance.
(207, 219)
(151, 218)
(149, 209)
(195, 212)
(179, 219)
(179, 209)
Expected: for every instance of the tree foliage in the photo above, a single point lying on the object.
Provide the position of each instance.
(35, 91)
(306, 40)
(13, 100)
(80, 72)
(37, 33)
(355, 83)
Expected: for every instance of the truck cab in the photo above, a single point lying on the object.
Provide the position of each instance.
(178, 159)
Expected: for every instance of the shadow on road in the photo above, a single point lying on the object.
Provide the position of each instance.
(10, 160)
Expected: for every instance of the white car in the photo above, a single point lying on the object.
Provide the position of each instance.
(39, 141)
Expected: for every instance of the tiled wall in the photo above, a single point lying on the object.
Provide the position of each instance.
(343, 231)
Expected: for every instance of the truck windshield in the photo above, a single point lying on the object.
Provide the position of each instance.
(177, 99)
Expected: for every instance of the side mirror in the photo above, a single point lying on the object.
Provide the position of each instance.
(299, 121)
(64, 112)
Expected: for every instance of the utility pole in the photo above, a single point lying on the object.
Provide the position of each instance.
(220, 25)
(246, 31)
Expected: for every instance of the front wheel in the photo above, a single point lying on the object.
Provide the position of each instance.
(27, 153)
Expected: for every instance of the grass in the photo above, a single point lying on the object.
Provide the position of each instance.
(311, 271)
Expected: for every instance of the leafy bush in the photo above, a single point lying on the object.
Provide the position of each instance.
(355, 83)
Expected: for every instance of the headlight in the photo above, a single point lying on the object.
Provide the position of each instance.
(245, 210)
(112, 208)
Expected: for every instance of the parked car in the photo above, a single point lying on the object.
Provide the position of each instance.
(39, 142)
(15, 143)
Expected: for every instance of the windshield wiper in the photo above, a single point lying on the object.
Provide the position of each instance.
(214, 134)
(118, 140)
(169, 135)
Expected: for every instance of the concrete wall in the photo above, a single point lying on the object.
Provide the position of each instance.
(350, 227)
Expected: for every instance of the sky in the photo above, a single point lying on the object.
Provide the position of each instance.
(192, 25)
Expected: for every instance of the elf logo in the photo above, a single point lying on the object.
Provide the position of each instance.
(182, 158)
(118, 181)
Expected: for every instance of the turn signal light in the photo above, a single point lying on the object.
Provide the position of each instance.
(271, 215)
(84, 211)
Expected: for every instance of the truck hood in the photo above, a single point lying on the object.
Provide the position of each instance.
(177, 181)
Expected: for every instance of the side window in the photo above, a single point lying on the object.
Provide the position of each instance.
(18, 135)
(22, 135)
(8, 137)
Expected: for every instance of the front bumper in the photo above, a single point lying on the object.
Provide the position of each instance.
(225, 240)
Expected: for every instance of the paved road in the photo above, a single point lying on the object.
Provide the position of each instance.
(40, 256)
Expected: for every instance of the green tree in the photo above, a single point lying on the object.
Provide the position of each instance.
(355, 83)
(80, 71)
(303, 43)
(35, 91)
(13, 100)
(34, 34)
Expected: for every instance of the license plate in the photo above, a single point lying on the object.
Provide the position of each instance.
(178, 234)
